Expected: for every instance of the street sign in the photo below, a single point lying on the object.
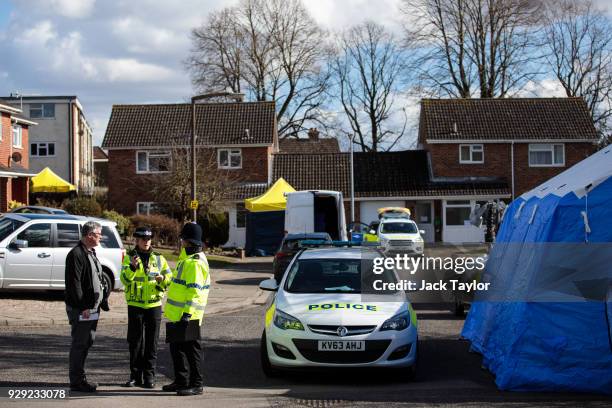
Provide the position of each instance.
(194, 204)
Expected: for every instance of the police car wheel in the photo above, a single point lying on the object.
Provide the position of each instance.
(267, 368)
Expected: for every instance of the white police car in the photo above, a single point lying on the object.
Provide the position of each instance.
(319, 316)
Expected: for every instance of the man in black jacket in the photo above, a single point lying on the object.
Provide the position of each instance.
(84, 296)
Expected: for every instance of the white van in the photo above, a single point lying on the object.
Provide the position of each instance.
(33, 250)
(316, 211)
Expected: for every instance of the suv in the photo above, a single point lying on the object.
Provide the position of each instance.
(33, 250)
(37, 209)
(399, 234)
(289, 247)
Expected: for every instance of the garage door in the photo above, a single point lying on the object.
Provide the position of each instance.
(369, 209)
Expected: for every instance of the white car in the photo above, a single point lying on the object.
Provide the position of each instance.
(319, 316)
(33, 250)
(400, 235)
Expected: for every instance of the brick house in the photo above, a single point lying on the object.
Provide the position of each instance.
(522, 141)
(139, 138)
(14, 158)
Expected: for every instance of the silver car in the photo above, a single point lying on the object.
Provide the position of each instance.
(33, 250)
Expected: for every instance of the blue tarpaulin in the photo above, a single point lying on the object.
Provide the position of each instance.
(546, 324)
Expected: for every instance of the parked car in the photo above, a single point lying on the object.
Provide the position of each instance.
(397, 234)
(318, 317)
(37, 209)
(289, 247)
(33, 250)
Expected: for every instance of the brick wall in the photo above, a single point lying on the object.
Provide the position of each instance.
(497, 162)
(126, 187)
(6, 142)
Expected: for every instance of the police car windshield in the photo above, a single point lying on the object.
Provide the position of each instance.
(399, 228)
(332, 276)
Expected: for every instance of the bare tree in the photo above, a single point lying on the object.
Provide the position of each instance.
(473, 47)
(268, 49)
(367, 70)
(213, 185)
(579, 37)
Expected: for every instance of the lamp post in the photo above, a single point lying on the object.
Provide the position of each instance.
(238, 98)
(352, 137)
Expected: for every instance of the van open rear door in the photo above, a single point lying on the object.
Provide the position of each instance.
(299, 216)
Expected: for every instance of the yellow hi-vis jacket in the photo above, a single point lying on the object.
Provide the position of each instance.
(188, 292)
(141, 289)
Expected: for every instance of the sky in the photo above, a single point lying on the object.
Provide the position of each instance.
(130, 51)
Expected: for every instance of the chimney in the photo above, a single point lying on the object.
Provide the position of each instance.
(313, 134)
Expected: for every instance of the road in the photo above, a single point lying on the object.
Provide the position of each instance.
(449, 374)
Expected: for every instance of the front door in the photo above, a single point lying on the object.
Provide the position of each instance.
(30, 268)
(424, 219)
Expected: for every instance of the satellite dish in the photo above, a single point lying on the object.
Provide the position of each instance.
(16, 156)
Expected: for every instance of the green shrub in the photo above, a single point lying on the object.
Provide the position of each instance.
(165, 229)
(123, 222)
(83, 206)
(215, 228)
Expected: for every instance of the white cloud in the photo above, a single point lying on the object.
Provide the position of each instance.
(546, 88)
(141, 37)
(65, 8)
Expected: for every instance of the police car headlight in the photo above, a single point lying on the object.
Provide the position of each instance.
(397, 322)
(285, 321)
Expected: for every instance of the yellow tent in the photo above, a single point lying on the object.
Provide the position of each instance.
(48, 182)
(272, 200)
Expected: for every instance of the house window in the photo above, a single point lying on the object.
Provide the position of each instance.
(42, 110)
(546, 155)
(152, 162)
(470, 154)
(229, 158)
(146, 208)
(17, 135)
(458, 212)
(241, 214)
(42, 149)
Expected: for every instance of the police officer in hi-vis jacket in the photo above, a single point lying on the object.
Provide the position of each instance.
(145, 275)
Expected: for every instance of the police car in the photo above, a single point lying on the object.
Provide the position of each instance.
(320, 317)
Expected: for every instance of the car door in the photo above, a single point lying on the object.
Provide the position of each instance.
(30, 268)
(67, 236)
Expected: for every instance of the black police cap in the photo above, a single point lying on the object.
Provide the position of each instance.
(143, 232)
(192, 232)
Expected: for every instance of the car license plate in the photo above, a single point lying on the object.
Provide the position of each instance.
(341, 345)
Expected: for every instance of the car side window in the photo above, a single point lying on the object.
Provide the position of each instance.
(37, 235)
(68, 235)
(109, 239)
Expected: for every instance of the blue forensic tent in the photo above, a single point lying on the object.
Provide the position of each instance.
(265, 222)
(545, 325)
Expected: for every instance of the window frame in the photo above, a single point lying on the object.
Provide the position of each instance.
(149, 205)
(236, 150)
(540, 147)
(41, 107)
(19, 130)
(47, 144)
(453, 204)
(471, 160)
(148, 154)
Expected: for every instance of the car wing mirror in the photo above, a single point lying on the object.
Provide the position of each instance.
(18, 244)
(269, 284)
(422, 232)
(372, 232)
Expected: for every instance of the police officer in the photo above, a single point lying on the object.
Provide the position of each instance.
(187, 297)
(145, 275)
